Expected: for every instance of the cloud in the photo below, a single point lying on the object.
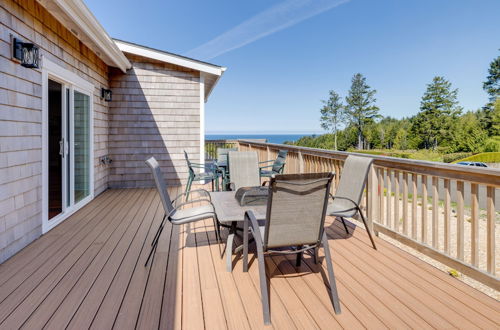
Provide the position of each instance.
(269, 21)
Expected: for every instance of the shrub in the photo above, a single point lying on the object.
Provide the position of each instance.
(456, 156)
(492, 144)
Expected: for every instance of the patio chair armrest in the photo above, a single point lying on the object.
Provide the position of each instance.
(266, 161)
(205, 192)
(261, 167)
(345, 198)
(192, 201)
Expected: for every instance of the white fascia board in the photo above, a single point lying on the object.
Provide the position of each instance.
(170, 58)
(82, 17)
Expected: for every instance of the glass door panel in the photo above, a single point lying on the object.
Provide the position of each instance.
(81, 152)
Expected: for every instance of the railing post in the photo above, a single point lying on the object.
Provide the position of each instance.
(301, 163)
(372, 191)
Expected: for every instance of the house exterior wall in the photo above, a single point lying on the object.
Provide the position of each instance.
(155, 112)
(21, 117)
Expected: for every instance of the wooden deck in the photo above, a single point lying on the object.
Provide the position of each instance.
(88, 273)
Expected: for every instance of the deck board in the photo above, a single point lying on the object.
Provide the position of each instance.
(89, 272)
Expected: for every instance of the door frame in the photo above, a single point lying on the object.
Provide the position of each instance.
(51, 70)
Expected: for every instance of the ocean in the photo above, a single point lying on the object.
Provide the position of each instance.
(271, 138)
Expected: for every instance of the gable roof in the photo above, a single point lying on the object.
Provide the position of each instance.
(210, 72)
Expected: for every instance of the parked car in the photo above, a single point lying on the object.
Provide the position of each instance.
(479, 164)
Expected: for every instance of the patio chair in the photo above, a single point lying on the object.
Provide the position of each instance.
(209, 173)
(172, 208)
(244, 169)
(277, 166)
(223, 165)
(350, 191)
(295, 219)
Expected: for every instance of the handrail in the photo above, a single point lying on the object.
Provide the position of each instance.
(435, 208)
(475, 174)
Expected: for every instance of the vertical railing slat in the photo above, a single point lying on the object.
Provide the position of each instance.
(490, 230)
(381, 216)
(425, 227)
(414, 202)
(405, 203)
(389, 199)
(460, 220)
(447, 215)
(396, 202)
(474, 222)
(435, 212)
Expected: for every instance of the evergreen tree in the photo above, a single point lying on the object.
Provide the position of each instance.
(492, 83)
(361, 109)
(333, 115)
(468, 135)
(438, 108)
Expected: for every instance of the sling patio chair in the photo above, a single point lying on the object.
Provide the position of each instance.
(350, 191)
(243, 167)
(222, 164)
(209, 173)
(295, 220)
(277, 166)
(174, 211)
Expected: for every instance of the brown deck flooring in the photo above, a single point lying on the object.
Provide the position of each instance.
(88, 273)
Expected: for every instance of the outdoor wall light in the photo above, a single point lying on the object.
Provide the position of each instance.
(106, 94)
(27, 53)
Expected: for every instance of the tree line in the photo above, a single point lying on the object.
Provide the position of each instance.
(440, 125)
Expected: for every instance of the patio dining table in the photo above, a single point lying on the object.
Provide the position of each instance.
(230, 213)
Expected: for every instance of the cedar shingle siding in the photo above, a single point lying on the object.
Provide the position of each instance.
(155, 110)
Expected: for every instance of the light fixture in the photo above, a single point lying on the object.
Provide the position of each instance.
(27, 53)
(106, 94)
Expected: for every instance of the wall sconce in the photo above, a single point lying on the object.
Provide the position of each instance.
(106, 94)
(27, 53)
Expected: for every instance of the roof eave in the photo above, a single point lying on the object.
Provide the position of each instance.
(94, 34)
(169, 58)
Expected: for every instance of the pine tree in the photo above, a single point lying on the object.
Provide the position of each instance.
(333, 115)
(438, 108)
(492, 83)
(361, 108)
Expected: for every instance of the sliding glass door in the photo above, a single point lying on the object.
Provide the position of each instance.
(82, 146)
(69, 148)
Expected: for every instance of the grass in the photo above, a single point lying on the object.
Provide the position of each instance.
(407, 154)
(485, 157)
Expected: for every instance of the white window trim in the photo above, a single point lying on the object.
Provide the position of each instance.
(52, 70)
(202, 119)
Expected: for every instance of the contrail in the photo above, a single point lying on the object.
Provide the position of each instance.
(269, 21)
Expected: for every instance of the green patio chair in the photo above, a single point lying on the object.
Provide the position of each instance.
(277, 166)
(294, 224)
(208, 172)
(223, 166)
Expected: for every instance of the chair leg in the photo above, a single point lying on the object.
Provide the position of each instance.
(245, 246)
(298, 260)
(154, 246)
(367, 228)
(158, 230)
(316, 255)
(331, 275)
(263, 285)
(188, 187)
(345, 225)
